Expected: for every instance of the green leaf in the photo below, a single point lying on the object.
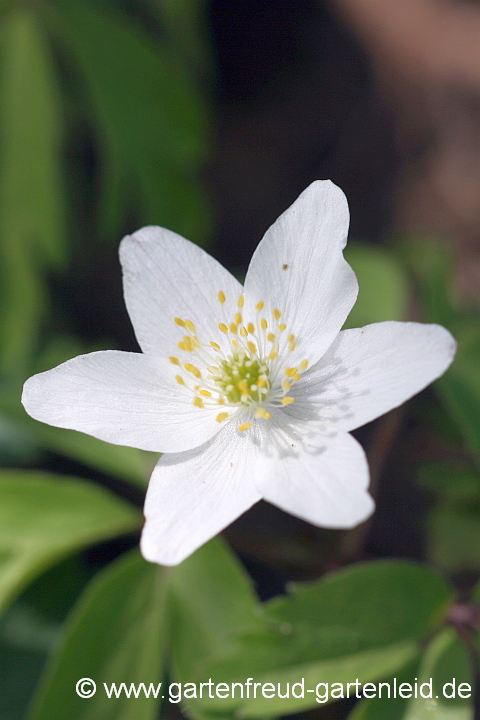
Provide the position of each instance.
(116, 633)
(365, 621)
(454, 537)
(213, 601)
(383, 285)
(460, 387)
(150, 121)
(31, 198)
(444, 661)
(455, 482)
(45, 517)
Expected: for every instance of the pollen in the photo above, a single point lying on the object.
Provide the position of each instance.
(271, 337)
(233, 328)
(179, 380)
(189, 324)
(276, 314)
(198, 402)
(174, 360)
(251, 328)
(179, 322)
(215, 345)
(241, 301)
(290, 372)
(223, 328)
(262, 413)
(260, 305)
(245, 426)
(263, 324)
(287, 400)
(221, 417)
(221, 297)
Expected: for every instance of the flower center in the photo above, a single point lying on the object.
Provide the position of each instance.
(248, 379)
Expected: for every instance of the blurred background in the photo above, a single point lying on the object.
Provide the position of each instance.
(209, 118)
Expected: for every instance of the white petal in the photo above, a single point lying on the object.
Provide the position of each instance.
(299, 268)
(371, 370)
(166, 276)
(325, 485)
(194, 495)
(123, 398)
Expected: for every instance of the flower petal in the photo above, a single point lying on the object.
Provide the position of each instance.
(123, 398)
(324, 485)
(166, 276)
(194, 495)
(371, 370)
(299, 268)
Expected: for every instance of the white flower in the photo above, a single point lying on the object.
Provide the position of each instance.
(249, 391)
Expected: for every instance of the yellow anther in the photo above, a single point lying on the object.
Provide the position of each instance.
(198, 402)
(188, 342)
(215, 345)
(287, 400)
(251, 328)
(260, 305)
(205, 393)
(243, 331)
(276, 313)
(234, 343)
(179, 321)
(296, 377)
(245, 426)
(179, 379)
(273, 354)
(243, 387)
(262, 413)
(238, 318)
(233, 328)
(221, 401)
(241, 301)
(303, 365)
(221, 417)
(271, 337)
(190, 326)
(263, 324)
(192, 369)
(290, 372)
(174, 360)
(287, 384)
(223, 328)
(292, 345)
(221, 297)
(292, 338)
(252, 347)
(262, 382)
(282, 327)
(181, 345)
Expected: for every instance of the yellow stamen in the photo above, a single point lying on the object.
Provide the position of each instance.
(290, 372)
(276, 313)
(287, 384)
(262, 413)
(252, 347)
(198, 402)
(233, 328)
(263, 324)
(221, 401)
(238, 318)
(205, 393)
(243, 387)
(245, 426)
(282, 327)
(223, 328)
(303, 365)
(179, 321)
(215, 345)
(179, 380)
(260, 305)
(192, 369)
(287, 400)
(271, 337)
(243, 331)
(262, 382)
(190, 326)
(174, 360)
(251, 328)
(296, 377)
(181, 345)
(221, 417)
(221, 297)
(241, 301)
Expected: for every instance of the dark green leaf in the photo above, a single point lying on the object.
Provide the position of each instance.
(116, 633)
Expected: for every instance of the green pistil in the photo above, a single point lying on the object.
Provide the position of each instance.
(243, 377)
